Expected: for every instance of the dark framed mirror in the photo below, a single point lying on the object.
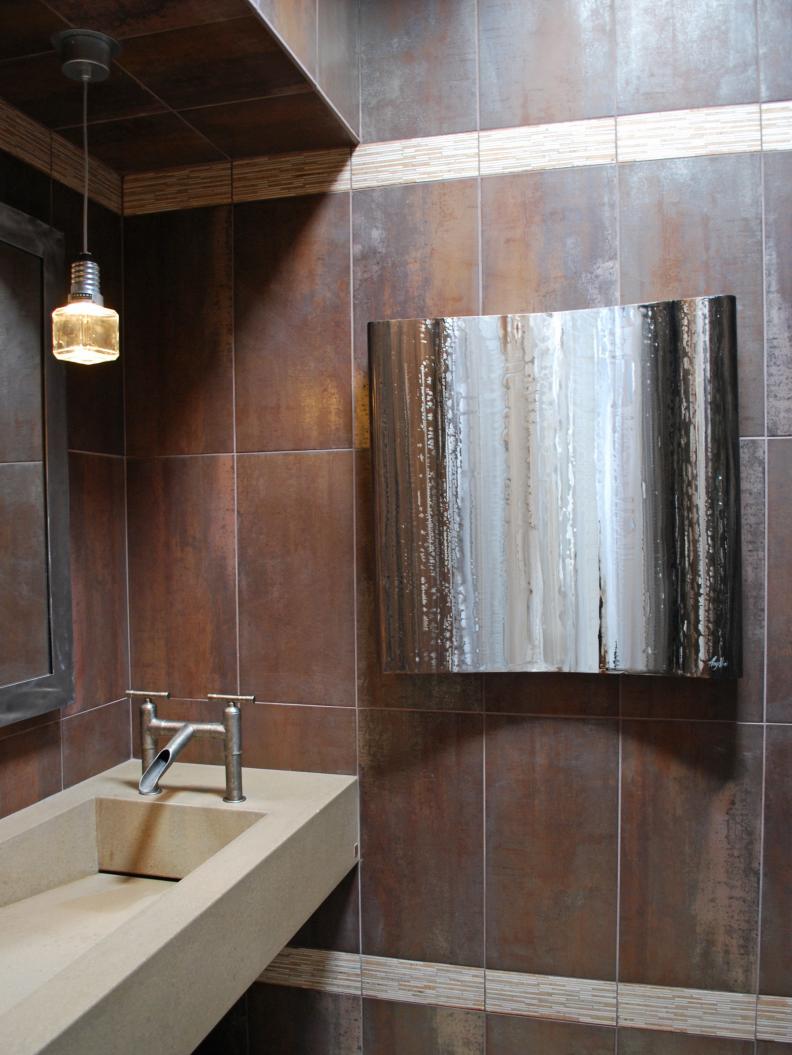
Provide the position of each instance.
(35, 592)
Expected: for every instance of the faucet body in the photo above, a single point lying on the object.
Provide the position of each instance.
(229, 731)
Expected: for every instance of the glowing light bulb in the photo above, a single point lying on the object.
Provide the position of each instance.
(84, 330)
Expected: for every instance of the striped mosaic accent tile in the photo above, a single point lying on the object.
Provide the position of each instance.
(567, 144)
(689, 133)
(423, 983)
(332, 972)
(181, 188)
(288, 175)
(699, 1011)
(777, 126)
(774, 1019)
(415, 160)
(24, 138)
(545, 996)
(105, 185)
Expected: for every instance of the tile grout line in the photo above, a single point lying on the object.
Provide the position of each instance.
(124, 436)
(234, 455)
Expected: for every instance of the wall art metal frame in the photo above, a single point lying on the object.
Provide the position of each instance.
(559, 492)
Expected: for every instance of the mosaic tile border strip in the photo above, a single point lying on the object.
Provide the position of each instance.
(546, 996)
(774, 1019)
(532, 148)
(52, 154)
(701, 1012)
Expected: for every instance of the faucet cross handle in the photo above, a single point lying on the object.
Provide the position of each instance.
(225, 697)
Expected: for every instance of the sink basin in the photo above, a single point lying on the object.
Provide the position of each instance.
(110, 902)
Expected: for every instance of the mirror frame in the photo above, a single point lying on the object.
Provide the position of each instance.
(26, 699)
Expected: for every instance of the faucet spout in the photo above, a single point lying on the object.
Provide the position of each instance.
(149, 782)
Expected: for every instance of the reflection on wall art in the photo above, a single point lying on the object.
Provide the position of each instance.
(559, 492)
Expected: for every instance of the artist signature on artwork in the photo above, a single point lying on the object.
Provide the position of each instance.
(718, 663)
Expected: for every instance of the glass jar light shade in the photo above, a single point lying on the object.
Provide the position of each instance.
(85, 332)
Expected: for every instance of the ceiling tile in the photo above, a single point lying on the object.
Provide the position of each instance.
(142, 143)
(203, 65)
(146, 16)
(26, 27)
(276, 125)
(36, 85)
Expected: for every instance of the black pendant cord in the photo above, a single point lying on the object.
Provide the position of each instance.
(85, 166)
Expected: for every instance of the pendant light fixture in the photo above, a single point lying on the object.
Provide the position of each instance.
(84, 330)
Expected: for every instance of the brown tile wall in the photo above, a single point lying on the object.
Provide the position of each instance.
(550, 793)
(39, 757)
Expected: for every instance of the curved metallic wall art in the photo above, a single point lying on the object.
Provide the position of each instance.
(559, 492)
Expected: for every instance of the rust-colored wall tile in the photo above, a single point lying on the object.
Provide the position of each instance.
(670, 697)
(394, 1029)
(295, 23)
(549, 240)
(336, 923)
(23, 187)
(583, 695)
(292, 324)
(417, 68)
(94, 741)
(691, 796)
(673, 56)
(779, 581)
(775, 43)
(284, 1021)
(296, 577)
(428, 692)
(30, 767)
(690, 228)
(554, 60)
(415, 255)
(654, 1042)
(230, 1035)
(338, 56)
(26, 27)
(552, 833)
(182, 575)
(778, 279)
(510, 1035)
(178, 332)
(98, 576)
(770, 1047)
(421, 831)
(776, 958)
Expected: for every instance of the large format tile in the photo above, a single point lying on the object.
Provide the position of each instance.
(337, 56)
(26, 27)
(510, 1035)
(295, 23)
(415, 256)
(652, 1042)
(779, 581)
(296, 577)
(691, 228)
(178, 333)
(98, 578)
(23, 187)
(417, 68)
(284, 1021)
(335, 925)
(691, 797)
(672, 55)
(549, 240)
(95, 740)
(292, 324)
(552, 60)
(429, 692)
(775, 43)
(421, 832)
(776, 950)
(30, 767)
(581, 695)
(146, 16)
(394, 1029)
(778, 279)
(551, 855)
(245, 63)
(182, 575)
